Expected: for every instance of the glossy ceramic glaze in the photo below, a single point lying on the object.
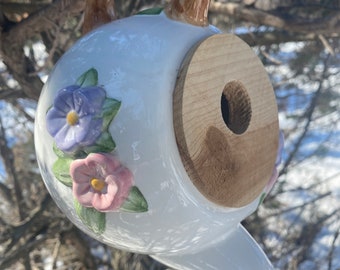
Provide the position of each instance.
(137, 60)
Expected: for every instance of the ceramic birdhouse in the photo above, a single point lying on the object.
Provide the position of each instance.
(159, 134)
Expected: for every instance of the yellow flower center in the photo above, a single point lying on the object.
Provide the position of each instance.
(97, 185)
(72, 118)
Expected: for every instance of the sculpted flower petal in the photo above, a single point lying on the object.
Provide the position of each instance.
(84, 198)
(65, 138)
(104, 202)
(124, 183)
(123, 177)
(88, 130)
(80, 131)
(107, 161)
(64, 100)
(94, 96)
(101, 179)
(80, 171)
(75, 119)
(55, 119)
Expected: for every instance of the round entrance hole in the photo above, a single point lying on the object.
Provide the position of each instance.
(236, 107)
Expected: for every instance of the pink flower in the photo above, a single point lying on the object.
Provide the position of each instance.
(100, 181)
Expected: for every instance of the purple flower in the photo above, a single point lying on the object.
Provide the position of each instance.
(74, 119)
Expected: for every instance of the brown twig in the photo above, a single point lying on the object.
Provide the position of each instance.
(13, 41)
(55, 253)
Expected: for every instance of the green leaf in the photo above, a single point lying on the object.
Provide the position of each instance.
(135, 202)
(104, 144)
(61, 170)
(88, 78)
(61, 154)
(110, 109)
(263, 196)
(92, 218)
(58, 152)
(151, 11)
(49, 108)
(78, 154)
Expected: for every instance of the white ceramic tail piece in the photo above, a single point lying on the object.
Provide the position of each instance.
(237, 251)
(159, 137)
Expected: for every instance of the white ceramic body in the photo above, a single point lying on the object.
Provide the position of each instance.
(137, 60)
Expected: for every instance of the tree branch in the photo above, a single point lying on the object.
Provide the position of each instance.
(300, 206)
(11, 94)
(8, 158)
(7, 261)
(326, 25)
(6, 192)
(332, 249)
(308, 116)
(19, 8)
(51, 15)
(13, 41)
(279, 36)
(308, 234)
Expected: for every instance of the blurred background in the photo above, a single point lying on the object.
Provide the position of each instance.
(298, 224)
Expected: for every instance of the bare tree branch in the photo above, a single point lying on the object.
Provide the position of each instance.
(271, 37)
(8, 159)
(332, 249)
(308, 235)
(22, 230)
(21, 251)
(52, 14)
(327, 25)
(13, 41)
(19, 8)
(6, 192)
(9, 94)
(319, 197)
(308, 116)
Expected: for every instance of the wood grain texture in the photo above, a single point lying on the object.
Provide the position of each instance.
(228, 156)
